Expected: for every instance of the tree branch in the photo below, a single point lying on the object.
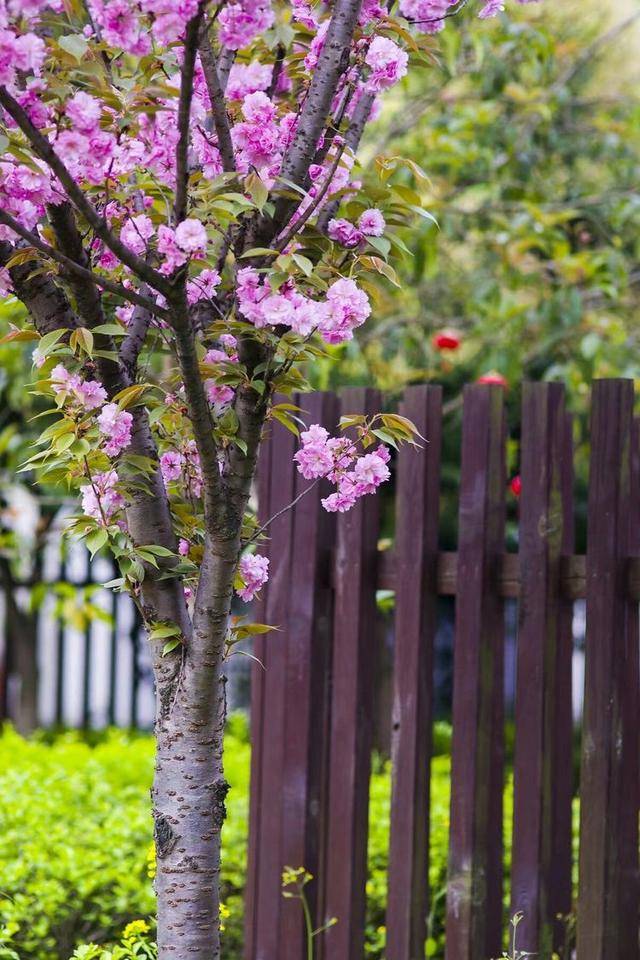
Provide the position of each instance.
(295, 227)
(332, 62)
(216, 96)
(134, 341)
(43, 149)
(184, 114)
(44, 299)
(116, 288)
(352, 140)
(199, 414)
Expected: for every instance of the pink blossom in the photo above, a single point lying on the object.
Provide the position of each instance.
(372, 223)
(314, 459)
(90, 393)
(100, 499)
(277, 309)
(240, 23)
(116, 425)
(183, 547)
(254, 571)
(136, 232)
(217, 393)
(191, 236)
(84, 112)
(248, 78)
(203, 287)
(491, 9)
(388, 63)
(344, 232)
(349, 308)
(171, 465)
(174, 256)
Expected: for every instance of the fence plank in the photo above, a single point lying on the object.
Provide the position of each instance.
(257, 723)
(474, 894)
(541, 871)
(351, 715)
(609, 894)
(416, 556)
(265, 897)
(308, 641)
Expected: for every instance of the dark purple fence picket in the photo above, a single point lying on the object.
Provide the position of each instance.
(609, 790)
(474, 894)
(313, 693)
(540, 869)
(416, 559)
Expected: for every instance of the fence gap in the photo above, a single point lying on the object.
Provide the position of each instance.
(351, 714)
(609, 895)
(541, 857)
(416, 560)
(474, 894)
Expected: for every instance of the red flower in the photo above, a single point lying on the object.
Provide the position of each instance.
(516, 485)
(493, 377)
(446, 340)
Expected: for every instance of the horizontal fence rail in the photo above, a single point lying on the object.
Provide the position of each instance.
(313, 701)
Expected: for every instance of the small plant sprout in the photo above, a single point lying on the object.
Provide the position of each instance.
(294, 881)
(513, 953)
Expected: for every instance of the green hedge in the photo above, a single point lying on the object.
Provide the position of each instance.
(75, 841)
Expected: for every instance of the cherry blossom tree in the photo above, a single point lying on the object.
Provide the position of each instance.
(170, 178)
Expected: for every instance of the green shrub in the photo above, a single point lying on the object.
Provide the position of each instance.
(76, 844)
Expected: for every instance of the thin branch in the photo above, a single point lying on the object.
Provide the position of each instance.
(187, 72)
(199, 411)
(216, 96)
(295, 227)
(225, 62)
(43, 149)
(116, 288)
(352, 140)
(134, 341)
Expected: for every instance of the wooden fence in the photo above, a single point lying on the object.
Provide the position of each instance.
(313, 695)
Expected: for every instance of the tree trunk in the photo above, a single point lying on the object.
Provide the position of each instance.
(189, 810)
(189, 786)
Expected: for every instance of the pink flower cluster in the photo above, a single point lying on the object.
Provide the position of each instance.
(189, 239)
(388, 63)
(242, 22)
(89, 394)
(254, 571)
(220, 395)
(185, 466)
(100, 498)
(370, 224)
(345, 308)
(122, 25)
(260, 138)
(115, 424)
(336, 459)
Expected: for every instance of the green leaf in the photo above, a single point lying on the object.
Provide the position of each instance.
(75, 44)
(257, 190)
(171, 645)
(96, 541)
(161, 630)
